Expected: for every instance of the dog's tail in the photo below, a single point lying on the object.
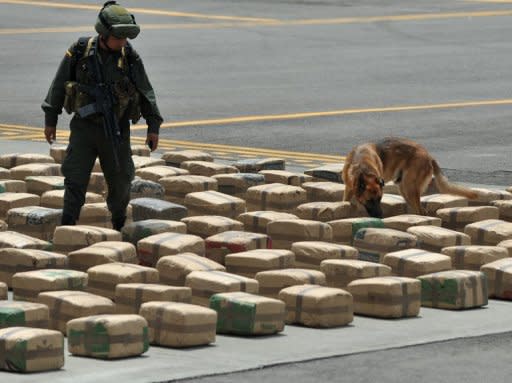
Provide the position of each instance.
(444, 186)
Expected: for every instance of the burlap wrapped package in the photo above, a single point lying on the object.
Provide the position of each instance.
(144, 188)
(504, 208)
(175, 324)
(11, 239)
(285, 177)
(177, 187)
(473, 257)
(254, 165)
(324, 211)
(3, 291)
(374, 243)
(23, 171)
(324, 191)
(391, 188)
(486, 196)
(309, 254)
(35, 221)
(433, 238)
(206, 283)
(249, 263)
(104, 278)
(273, 281)
(456, 218)
(3, 225)
(207, 225)
(151, 249)
(4, 173)
(108, 336)
(207, 168)
(328, 172)
(340, 272)
(317, 306)
(152, 208)
(214, 203)
(392, 205)
(14, 261)
(276, 197)
(176, 158)
(257, 221)
(58, 153)
(55, 199)
(507, 244)
(40, 184)
(509, 189)
(66, 305)
(432, 203)
(454, 289)
(415, 262)
(12, 160)
(236, 184)
(25, 314)
(28, 349)
(70, 238)
(141, 150)
(173, 269)
(499, 278)
(135, 231)
(155, 173)
(247, 314)
(13, 200)
(404, 221)
(97, 183)
(130, 296)
(145, 162)
(27, 285)
(344, 230)
(101, 253)
(228, 242)
(489, 232)
(13, 186)
(386, 297)
(285, 232)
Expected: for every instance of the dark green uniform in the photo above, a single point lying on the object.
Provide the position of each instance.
(125, 73)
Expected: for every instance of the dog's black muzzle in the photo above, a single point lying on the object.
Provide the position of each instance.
(373, 208)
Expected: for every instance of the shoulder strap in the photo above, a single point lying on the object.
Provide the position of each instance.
(82, 46)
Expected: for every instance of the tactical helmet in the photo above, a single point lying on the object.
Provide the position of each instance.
(116, 21)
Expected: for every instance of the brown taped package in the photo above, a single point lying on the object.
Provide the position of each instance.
(108, 336)
(26, 314)
(179, 325)
(70, 238)
(175, 158)
(141, 188)
(40, 184)
(207, 168)
(55, 199)
(257, 221)
(249, 263)
(392, 205)
(104, 278)
(13, 186)
(343, 230)
(285, 177)
(152, 248)
(386, 297)
(374, 243)
(499, 278)
(324, 211)
(489, 232)
(13, 200)
(97, 183)
(276, 197)
(4, 174)
(214, 203)
(324, 191)
(317, 306)
(154, 208)
(228, 242)
(35, 221)
(340, 272)
(58, 153)
(135, 231)
(433, 238)
(31, 349)
(11, 160)
(65, 305)
(145, 162)
(141, 150)
(404, 221)
(207, 225)
(236, 184)
(473, 257)
(130, 296)
(26, 286)
(254, 165)
(177, 187)
(12, 239)
(95, 214)
(273, 281)
(328, 172)
(432, 203)
(309, 254)
(505, 209)
(285, 232)
(456, 218)
(485, 196)
(173, 269)
(101, 253)
(507, 244)
(206, 283)
(155, 173)
(415, 262)
(3, 291)
(14, 261)
(28, 170)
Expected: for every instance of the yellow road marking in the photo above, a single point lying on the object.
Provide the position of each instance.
(156, 12)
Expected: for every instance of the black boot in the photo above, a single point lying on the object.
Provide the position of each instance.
(118, 223)
(68, 219)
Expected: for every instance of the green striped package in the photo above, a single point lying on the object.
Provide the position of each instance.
(26, 314)
(344, 230)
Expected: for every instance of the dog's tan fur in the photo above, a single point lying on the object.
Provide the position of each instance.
(406, 162)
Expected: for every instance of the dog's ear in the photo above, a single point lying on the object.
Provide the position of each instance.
(361, 184)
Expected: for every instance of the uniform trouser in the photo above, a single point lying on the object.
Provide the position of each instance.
(87, 141)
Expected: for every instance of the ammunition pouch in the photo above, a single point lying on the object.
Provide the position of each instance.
(74, 98)
(128, 100)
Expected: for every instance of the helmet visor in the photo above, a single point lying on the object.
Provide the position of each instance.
(125, 31)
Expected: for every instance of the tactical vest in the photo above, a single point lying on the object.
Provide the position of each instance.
(120, 80)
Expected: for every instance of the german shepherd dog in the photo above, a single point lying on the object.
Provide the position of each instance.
(407, 163)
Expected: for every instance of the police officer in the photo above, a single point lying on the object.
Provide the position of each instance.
(109, 60)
